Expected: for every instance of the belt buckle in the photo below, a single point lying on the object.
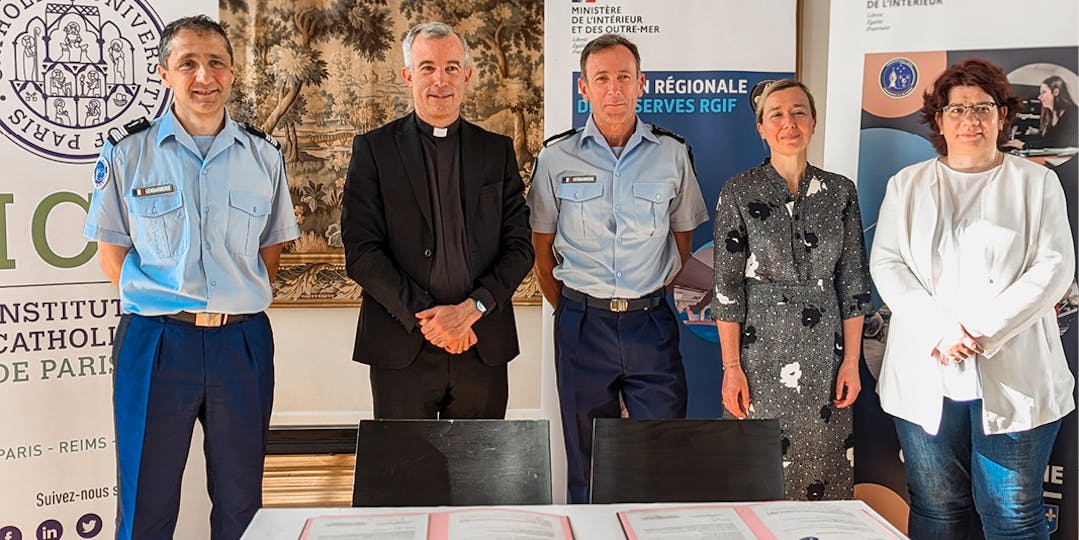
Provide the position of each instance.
(210, 320)
(619, 305)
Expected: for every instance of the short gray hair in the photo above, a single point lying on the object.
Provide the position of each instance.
(431, 30)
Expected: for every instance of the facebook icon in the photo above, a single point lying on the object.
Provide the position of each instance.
(10, 533)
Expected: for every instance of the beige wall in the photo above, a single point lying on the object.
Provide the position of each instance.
(317, 383)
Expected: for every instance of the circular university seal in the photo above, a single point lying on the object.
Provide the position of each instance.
(71, 69)
(899, 77)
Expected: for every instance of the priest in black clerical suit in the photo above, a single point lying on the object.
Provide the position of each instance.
(435, 230)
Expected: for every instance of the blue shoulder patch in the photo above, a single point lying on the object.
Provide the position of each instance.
(101, 173)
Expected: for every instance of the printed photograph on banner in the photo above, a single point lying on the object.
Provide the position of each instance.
(314, 77)
(892, 136)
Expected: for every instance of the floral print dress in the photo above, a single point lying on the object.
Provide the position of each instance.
(790, 268)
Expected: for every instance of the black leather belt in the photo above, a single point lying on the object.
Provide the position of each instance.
(617, 305)
(209, 320)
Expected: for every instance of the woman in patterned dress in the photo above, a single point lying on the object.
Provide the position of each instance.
(791, 292)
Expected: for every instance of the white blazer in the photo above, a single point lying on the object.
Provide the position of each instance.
(1030, 262)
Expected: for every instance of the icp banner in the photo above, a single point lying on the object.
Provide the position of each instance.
(878, 71)
(701, 60)
(70, 70)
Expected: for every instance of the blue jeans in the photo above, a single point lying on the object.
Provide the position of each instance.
(960, 470)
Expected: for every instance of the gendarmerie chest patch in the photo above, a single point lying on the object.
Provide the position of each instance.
(152, 190)
(579, 179)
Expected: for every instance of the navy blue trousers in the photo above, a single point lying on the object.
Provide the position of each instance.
(168, 374)
(602, 357)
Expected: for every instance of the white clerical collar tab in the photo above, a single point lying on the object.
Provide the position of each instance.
(440, 132)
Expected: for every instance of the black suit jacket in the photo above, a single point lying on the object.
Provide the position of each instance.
(389, 239)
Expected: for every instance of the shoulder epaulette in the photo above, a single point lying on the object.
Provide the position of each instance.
(260, 134)
(116, 134)
(663, 132)
(656, 130)
(560, 136)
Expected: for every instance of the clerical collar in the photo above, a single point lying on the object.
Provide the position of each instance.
(436, 132)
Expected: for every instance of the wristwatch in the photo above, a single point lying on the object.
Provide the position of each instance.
(481, 308)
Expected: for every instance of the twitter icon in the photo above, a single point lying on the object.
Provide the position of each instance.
(89, 526)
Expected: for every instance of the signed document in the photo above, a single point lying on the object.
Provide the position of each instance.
(720, 522)
(471, 524)
(834, 520)
(375, 527)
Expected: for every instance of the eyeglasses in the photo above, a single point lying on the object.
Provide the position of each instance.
(982, 111)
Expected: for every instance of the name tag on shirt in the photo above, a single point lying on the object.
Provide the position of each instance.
(152, 190)
(590, 179)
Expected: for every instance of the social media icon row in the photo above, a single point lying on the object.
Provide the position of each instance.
(87, 526)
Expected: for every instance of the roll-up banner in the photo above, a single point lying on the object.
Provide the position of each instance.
(883, 55)
(70, 70)
(701, 60)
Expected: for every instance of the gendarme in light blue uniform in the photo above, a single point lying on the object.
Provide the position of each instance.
(613, 216)
(195, 224)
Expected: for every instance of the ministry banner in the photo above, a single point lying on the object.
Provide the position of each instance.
(70, 70)
(701, 60)
(878, 73)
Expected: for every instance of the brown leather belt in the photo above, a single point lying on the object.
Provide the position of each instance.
(617, 305)
(209, 320)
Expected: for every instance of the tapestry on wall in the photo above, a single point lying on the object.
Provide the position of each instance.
(315, 73)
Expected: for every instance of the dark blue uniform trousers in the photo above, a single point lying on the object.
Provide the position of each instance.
(169, 373)
(601, 356)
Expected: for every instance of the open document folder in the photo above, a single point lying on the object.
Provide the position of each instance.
(834, 520)
(470, 524)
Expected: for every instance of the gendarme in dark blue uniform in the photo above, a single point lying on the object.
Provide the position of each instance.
(190, 227)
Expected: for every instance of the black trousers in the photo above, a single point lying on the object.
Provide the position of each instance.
(438, 384)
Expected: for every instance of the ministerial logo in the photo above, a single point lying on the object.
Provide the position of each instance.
(70, 70)
(1052, 516)
(899, 77)
(758, 91)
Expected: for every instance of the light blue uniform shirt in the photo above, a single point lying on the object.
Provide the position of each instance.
(613, 216)
(195, 224)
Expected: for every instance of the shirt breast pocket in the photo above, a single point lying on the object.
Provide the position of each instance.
(248, 213)
(157, 225)
(579, 214)
(651, 202)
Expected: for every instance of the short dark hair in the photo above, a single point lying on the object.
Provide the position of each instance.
(606, 41)
(970, 72)
(784, 84)
(199, 24)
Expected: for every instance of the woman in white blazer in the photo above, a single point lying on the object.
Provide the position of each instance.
(971, 253)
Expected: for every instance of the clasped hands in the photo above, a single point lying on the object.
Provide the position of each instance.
(450, 326)
(957, 344)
